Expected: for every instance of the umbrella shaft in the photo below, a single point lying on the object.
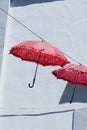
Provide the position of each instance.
(73, 94)
(35, 72)
(37, 66)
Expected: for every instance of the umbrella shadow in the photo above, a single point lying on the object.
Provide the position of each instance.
(79, 96)
(15, 3)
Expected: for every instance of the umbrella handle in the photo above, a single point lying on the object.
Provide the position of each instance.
(31, 86)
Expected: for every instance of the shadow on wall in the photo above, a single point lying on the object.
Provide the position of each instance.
(27, 2)
(80, 94)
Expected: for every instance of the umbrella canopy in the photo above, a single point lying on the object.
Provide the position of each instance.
(39, 52)
(75, 74)
(31, 50)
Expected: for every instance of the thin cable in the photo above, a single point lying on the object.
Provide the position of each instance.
(72, 58)
(21, 24)
(33, 32)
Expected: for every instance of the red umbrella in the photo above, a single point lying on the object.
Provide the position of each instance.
(40, 52)
(75, 74)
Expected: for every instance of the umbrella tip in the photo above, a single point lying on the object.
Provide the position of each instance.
(70, 102)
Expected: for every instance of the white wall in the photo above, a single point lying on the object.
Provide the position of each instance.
(61, 23)
(3, 20)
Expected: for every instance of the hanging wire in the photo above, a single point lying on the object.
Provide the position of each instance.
(21, 24)
(34, 32)
(71, 58)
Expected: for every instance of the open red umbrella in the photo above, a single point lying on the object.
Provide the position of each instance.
(75, 74)
(40, 52)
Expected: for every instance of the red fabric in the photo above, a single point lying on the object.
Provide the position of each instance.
(76, 74)
(31, 50)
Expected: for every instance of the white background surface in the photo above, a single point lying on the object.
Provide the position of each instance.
(3, 21)
(81, 119)
(63, 24)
